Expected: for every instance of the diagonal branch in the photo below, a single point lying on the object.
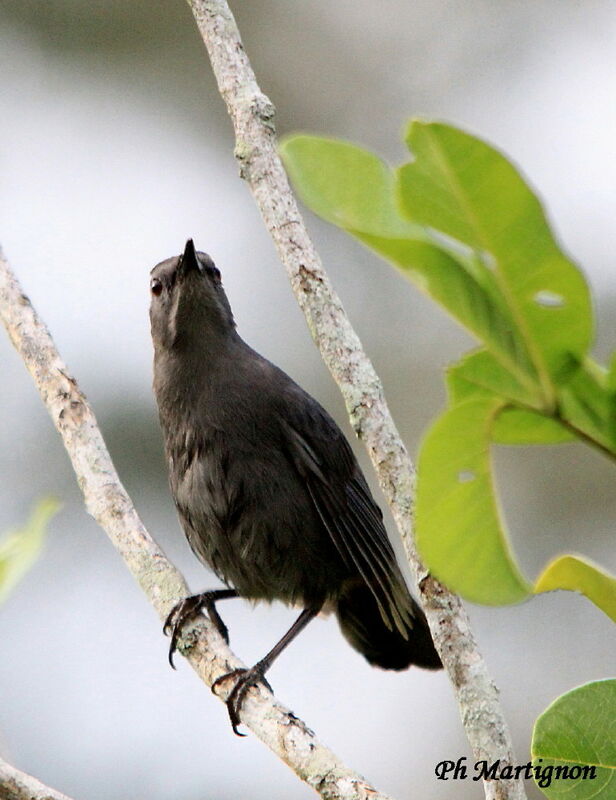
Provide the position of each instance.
(17, 785)
(107, 501)
(252, 114)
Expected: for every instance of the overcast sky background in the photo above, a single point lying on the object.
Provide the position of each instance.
(114, 148)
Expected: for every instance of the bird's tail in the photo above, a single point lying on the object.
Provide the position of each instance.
(362, 625)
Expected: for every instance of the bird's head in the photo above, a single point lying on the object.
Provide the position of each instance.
(188, 303)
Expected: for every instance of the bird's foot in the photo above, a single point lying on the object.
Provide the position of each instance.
(245, 679)
(187, 609)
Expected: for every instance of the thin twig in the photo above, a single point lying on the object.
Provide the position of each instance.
(109, 504)
(17, 785)
(252, 114)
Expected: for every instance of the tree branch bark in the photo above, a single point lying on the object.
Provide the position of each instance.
(107, 501)
(17, 785)
(252, 115)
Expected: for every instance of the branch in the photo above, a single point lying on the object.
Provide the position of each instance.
(107, 501)
(252, 114)
(17, 785)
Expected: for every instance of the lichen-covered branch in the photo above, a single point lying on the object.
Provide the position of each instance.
(17, 785)
(109, 504)
(252, 114)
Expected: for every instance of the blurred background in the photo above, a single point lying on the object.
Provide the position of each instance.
(114, 148)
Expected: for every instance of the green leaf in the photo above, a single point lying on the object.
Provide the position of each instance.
(611, 389)
(478, 375)
(519, 426)
(20, 548)
(477, 306)
(460, 536)
(579, 729)
(354, 189)
(579, 574)
(611, 375)
(346, 185)
(586, 405)
(466, 189)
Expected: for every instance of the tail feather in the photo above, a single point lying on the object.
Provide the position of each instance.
(362, 625)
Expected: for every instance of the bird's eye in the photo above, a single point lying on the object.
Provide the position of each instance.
(156, 286)
(213, 271)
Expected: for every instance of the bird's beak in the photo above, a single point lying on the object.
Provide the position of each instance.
(189, 261)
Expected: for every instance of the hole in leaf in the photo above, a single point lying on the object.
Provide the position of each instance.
(549, 299)
(466, 476)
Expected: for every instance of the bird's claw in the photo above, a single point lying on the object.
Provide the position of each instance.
(245, 679)
(187, 609)
(176, 618)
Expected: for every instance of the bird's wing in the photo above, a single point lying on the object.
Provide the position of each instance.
(341, 496)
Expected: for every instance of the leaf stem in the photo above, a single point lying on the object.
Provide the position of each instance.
(581, 434)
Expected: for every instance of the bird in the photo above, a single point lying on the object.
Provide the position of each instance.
(266, 486)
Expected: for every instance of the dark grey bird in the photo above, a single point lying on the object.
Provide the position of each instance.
(267, 488)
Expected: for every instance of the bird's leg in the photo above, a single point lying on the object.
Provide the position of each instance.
(250, 677)
(188, 608)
